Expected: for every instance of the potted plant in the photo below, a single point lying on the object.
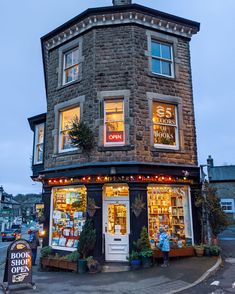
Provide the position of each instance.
(199, 250)
(134, 259)
(215, 250)
(86, 244)
(207, 250)
(91, 207)
(138, 205)
(93, 265)
(144, 248)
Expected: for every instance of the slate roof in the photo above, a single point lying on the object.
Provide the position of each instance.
(222, 173)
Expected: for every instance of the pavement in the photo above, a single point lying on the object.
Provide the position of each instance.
(181, 274)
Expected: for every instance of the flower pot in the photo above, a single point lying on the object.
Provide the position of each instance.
(199, 251)
(207, 251)
(82, 266)
(146, 261)
(135, 264)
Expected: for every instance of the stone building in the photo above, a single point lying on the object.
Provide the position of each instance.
(125, 71)
(222, 178)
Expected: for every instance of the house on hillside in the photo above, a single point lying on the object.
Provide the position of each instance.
(125, 71)
(222, 178)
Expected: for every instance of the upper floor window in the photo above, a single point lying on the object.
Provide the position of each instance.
(71, 67)
(66, 120)
(227, 205)
(165, 125)
(114, 122)
(38, 144)
(162, 59)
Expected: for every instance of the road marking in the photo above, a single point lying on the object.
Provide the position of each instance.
(215, 283)
(233, 285)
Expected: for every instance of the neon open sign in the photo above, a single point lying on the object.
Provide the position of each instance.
(114, 137)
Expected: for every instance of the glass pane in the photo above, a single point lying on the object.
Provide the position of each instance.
(39, 155)
(156, 49)
(116, 190)
(66, 141)
(115, 132)
(166, 68)
(68, 75)
(166, 51)
(164, 135)
(164, 113)
(40, 134)
(75, 56)
(75, 73)
(68, 59)
(68, 116)
(117, 224)
(156, 67)
(69, 215)
(114, 110)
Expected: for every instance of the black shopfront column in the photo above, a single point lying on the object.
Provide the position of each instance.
(136, 223)
(94, 191)
(196, 215)
(46, 199)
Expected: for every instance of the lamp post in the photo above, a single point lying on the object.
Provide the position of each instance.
(206, 224)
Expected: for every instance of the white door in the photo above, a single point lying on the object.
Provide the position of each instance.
(116, 230)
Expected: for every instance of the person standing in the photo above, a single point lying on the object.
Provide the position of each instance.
(164, 245)
(34, 243)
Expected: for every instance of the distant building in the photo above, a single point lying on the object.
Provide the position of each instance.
(223, 179)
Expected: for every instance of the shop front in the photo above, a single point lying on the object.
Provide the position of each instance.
(165, 201)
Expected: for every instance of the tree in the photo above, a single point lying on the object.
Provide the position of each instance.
(87, 239)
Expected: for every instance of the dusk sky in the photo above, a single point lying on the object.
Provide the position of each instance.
(23, 91)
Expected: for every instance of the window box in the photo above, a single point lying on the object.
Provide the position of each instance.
(47, 262)
(174, 252)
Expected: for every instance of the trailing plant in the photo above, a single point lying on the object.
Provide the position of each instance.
(134, 255)
(146, 253)
(215, 250)
(46, 251)
(87, 239)
(81, 136)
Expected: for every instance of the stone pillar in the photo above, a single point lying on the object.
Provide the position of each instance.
(95, 191)
(136, 223)
(46, 199)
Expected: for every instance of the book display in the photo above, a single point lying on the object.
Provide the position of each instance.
(69, 215)
(168, 208)
(117, 219)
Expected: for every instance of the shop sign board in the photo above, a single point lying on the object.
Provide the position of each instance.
(18, 266)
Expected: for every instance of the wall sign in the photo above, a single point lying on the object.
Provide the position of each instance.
(18, 267)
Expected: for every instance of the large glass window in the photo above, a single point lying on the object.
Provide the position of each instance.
(116, 190)
(168, 207)
(114, 122)
(39, 143)
(165, 125)
(71, 68)
(68, 216)
(117, 219)
(162, 59)
(66, 119)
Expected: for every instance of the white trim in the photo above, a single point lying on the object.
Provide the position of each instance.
(35, 161)
(231, 200)
(191, 213)
(72, 50)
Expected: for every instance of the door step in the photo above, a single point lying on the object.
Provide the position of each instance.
(115, 267)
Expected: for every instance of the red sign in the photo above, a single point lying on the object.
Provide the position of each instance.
(114, 137)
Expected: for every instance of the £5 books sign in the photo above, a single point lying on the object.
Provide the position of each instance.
(18, 268)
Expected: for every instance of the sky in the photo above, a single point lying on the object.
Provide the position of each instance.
(22, 94)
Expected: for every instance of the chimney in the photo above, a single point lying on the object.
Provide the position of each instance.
(121, 2)
(210, 161)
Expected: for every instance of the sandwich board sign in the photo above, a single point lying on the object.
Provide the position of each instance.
(18, 266)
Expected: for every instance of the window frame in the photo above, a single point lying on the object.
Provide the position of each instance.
(176, 126)
(227, 200)
(36, 144)
(162, 59)
(111, 99)
(71, 50)
(60, 135)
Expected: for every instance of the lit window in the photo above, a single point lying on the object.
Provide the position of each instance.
(68, 216)
(39, 141)
(227, 205)
(114, 122)
(71, 70)
(165, 130)
(66, 119)
(162, 60)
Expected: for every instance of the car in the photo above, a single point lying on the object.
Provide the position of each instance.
(10, 235)
(16, 227)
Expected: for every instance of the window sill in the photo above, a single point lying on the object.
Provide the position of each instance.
(59, 154)
(158, 150)
(116, 148)
(68, 84)
(153, 75)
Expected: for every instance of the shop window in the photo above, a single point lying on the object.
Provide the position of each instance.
(68, 216)
(162, 58)
(71, 66)
(227, 205)
(116, 190)
(169, 207)
(114, 122)
(117, 219)
(165, 125)
(39, 143)
(66, 119)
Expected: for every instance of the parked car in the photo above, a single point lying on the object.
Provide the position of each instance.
(16, 227)
(10, 235)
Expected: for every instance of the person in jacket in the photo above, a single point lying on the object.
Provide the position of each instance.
(164, 245)
(34, 243)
